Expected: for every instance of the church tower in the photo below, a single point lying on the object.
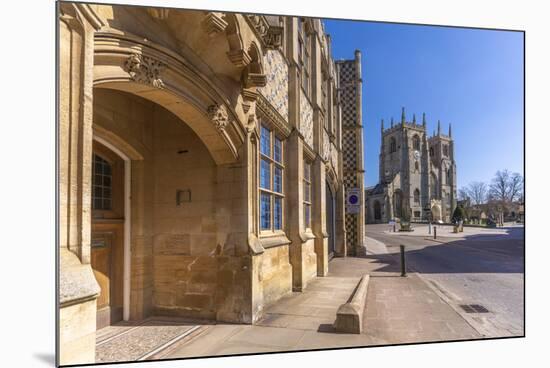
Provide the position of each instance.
(404, 166)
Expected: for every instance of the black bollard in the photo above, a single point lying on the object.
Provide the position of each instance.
(394, 228)
(435, 232)
(403, 264)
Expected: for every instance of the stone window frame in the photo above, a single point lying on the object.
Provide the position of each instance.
(445, 150)
(393, 145)
(416, 142)
(273, 195)
(307, 198)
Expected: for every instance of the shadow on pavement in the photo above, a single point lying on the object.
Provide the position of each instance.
(479, 253)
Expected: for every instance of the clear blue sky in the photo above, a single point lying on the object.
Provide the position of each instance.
(468, 77)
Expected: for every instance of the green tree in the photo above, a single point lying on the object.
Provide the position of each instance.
(459, 214)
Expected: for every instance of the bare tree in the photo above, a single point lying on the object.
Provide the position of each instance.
(500, 186)
(477, 191)
(515, 187)
(463, 194)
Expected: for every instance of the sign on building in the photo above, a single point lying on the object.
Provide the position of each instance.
(353, 200)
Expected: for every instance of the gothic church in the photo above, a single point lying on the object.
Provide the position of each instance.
(417, 174)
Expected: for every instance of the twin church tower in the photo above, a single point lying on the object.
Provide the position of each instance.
(417, 174)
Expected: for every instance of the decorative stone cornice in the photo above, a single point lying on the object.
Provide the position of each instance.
(218, 115)
(272, 115)
(143, 69)
(271, 35)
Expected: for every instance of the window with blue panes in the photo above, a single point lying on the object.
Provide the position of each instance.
(271, 180)
(307, 194)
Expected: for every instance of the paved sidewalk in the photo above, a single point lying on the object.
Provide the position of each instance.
(447, 231)
(398, 310)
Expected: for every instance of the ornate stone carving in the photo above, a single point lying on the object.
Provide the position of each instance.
(143, 69)
(218, 115)
(268, 30)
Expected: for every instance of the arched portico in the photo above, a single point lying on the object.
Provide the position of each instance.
(127, 63)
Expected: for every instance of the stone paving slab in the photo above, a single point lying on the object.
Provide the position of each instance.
(398, 310)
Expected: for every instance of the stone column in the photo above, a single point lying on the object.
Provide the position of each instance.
(78, 289)
(295, 208)
(319, 215)
(340, 201)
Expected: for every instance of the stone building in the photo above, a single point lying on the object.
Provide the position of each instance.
(417, 174)
(200, 165)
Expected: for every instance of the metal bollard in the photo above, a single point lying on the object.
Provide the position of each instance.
(394, 228)
(403, 264)
(435, 232)
(429, 228)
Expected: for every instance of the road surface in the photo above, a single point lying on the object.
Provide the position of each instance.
(485, 270)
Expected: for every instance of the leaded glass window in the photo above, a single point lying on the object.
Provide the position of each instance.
(271, 181)
(102, 184)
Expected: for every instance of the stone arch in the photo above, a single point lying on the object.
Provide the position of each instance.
(436, 212)
(127, 63)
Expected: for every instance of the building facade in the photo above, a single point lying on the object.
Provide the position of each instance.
(200, 165)
(417, 174)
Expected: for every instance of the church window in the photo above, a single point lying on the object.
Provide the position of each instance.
(271, 181)
(393, 145)
(102, 179)
(445, 150)
(431, 151)
(416, 165)
(416, 196)
(416, 142)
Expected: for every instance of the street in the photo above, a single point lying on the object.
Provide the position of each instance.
(481, 267)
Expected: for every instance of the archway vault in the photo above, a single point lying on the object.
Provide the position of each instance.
(128, 63)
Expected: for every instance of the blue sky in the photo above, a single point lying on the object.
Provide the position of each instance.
(470, 78)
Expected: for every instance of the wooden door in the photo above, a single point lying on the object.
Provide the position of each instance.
(107, 237)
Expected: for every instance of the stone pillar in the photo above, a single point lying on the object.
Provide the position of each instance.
(340, 201)
(319, 215)
(78, 289)
(295, 209)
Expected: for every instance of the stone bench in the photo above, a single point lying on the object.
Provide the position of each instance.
(349, 317)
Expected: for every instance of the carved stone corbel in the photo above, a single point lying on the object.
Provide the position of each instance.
(143, 69)
(218, 115)
(213, 24)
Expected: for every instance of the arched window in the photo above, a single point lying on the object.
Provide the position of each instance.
(431, 151)
(102, 184)
(416, 196)
(393, 145)
(416, 142)
(445, 150)
(416, 165)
